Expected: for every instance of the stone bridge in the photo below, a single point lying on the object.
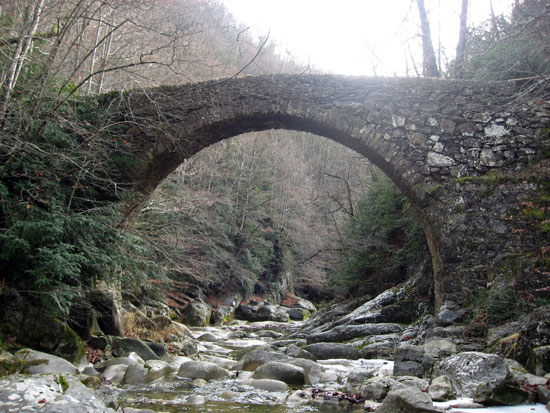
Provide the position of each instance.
(438, 140)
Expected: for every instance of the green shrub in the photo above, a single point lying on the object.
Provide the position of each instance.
(382, 241)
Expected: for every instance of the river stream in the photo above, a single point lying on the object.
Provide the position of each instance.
(225, 345)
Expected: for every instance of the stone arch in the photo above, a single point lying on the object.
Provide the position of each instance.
(423, 133)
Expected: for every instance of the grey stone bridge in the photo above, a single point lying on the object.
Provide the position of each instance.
(438, 140)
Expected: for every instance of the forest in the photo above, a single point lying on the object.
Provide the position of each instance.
(259, 215)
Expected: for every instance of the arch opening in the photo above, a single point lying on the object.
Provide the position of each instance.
(227, 131)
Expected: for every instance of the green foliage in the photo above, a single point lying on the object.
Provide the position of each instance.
(58, 225)
(511, 48)
(383, 240)
(62, 381)
(498, 306)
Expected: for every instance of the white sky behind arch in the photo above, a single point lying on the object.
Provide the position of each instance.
(358, 37)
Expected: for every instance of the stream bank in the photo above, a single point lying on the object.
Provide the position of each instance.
(382, 355)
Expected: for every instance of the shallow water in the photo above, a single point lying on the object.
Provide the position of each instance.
(529, 408)
(252, 408)
(231, 395)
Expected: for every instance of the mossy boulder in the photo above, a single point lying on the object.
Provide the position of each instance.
(197, 314)
(222, 314)
(33, 328)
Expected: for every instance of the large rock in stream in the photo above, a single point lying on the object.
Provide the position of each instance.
(196, 314)
(252, 360)
(202, 370)
(145, 349)
(485, 377)
(43, 363)
(255, 311)
(325, 351)
(36, 329)
(48, 393)
(284, 372)
(407, 400)
(347, 332)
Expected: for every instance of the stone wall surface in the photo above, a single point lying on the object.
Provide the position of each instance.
(436, 139)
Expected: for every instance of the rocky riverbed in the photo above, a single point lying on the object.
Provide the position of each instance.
(365, 359)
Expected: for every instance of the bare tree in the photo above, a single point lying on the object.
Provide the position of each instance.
(24, 41)
(429, 63)
(461, 46)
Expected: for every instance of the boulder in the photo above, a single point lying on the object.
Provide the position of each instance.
(533, 331)
(269, 334)
(504, 393)
(543, 394)
(403, 311)
(99, 342)
(297, 352)
(222, 314)
(226, 363)
(83, 320)
(407, 400)
(267, 385)
(158, 348)
(176, 361)
(182, 329)
(299, 397)
(270, 312)
(115, 373)
(255, 311)
(325, 351)
(108, 313)
(32, 327)
(196, 314)
(408, 381)
(127, 361)
(195, 400)
(412, 361)
(375, 388)
(379, 347)
(440, 389)
(450, 313)
(408, 368)
(127, 345)
(439, 348)
(312, 370)
(356, 379)
(48, 393)
(38, 362)
(468, 370)
(297, 314)
(305, 305)
(347, 332)
(201, 370)
(276, 370)
(540, 360)
(252, 360)
(208, 337)
(247, 312)
(135, 374)
(519, 375)
(90, 371)
(361, 313)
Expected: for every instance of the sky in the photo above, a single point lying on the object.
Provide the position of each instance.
(358, 37)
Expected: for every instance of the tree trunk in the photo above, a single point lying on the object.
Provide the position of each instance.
(24, 43)
(429, 64)
(494, 23)
(461, 46)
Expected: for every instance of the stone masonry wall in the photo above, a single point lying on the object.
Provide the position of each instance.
(427, 135)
